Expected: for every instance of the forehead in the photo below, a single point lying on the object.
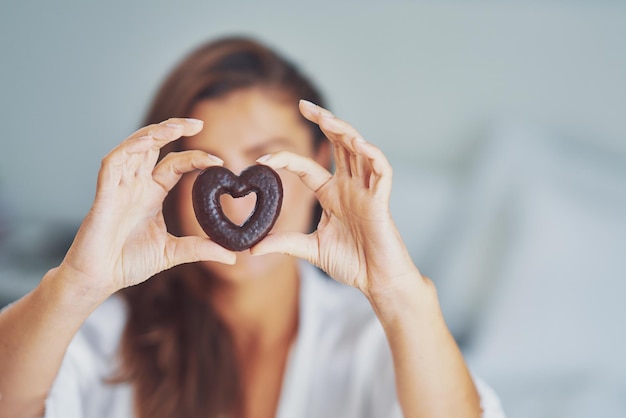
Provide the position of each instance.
(248, 118)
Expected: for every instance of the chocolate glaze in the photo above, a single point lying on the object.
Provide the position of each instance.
(214, 182)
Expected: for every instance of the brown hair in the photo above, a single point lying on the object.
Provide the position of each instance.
(175, 350)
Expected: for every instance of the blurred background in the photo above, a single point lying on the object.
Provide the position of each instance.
(504, 121)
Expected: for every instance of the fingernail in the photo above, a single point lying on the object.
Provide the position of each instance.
(308, 104)
(254, 252)
(263, 158)
(174, 126)
(317, 108)
(196, 121)
(215, 159)
(144, 138)
(359, 139)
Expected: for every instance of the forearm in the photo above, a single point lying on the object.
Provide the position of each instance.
(431, 376)
(36, 331)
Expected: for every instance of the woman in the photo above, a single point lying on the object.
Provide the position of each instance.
(251, 334)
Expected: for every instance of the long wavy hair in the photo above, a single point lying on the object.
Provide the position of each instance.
(175, 351)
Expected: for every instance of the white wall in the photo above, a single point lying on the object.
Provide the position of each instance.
(422, 80)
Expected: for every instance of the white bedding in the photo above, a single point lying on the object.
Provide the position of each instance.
(530, 263)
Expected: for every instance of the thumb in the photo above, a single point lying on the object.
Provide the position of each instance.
(192, 249)
(290, 243)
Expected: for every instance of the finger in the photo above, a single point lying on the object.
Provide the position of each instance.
(136, 156)
(171, 168)
(311, 111)
(342, 160)
(362, 171)
(166, 132)
(191, 249)
(152, 136)
(334, 128)
(354, 166)
(147, 139)
(313, 175)
(170, 130)
(340, 131)
(365, 171)
(381, 171)
(138, 145)
(122, 159)
(290, 243)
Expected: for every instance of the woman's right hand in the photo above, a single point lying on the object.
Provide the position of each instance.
(123, 240)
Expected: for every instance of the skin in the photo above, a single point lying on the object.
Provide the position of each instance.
(123, 241)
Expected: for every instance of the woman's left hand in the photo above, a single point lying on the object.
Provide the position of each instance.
(356, 241)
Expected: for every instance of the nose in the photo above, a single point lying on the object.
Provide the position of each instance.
(238, 209)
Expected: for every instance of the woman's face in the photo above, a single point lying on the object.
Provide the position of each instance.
(239, 128)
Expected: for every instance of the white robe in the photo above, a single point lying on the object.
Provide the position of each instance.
(339, 366)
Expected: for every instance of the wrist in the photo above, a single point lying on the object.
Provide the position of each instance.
(69, 288)
(408, 297)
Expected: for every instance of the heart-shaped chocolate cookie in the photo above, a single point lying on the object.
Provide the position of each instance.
(213, 182)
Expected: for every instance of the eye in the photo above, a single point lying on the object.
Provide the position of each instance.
(270, 147)
(269, 150)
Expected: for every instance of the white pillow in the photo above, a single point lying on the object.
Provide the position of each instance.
(545, 248)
